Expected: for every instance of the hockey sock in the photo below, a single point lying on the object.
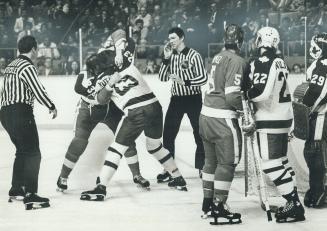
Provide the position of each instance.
(207, 184)
(133, 161)
(111, 163)
(224, 175)
(278, 174)
(166, 160)
(289, 168)
(75, 150)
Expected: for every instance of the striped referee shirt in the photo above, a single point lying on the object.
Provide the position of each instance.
(188, 65)
(22, 85)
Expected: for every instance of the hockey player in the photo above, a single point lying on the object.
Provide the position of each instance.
(143, 112)
(316, 145)
(219, 127)
(268, 91)
(90, 113)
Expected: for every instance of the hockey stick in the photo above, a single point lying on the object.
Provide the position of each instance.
(253, 149)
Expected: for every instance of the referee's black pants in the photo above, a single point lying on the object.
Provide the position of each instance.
(178, 106)
(18, 121)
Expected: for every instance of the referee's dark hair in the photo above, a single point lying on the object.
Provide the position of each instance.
(178, 31)
(26, 44)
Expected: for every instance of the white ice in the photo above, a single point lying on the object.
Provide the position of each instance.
(127, 207)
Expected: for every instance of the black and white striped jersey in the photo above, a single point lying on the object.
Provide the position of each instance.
(188, 65)
(22, 85)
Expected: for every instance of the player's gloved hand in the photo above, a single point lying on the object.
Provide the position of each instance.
(176, 79)
(54, 113)
(248, 129)
(119, 58)
(168, 51)
(114, 78)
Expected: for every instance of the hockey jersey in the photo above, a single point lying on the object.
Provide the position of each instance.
(270, 94)
(223, 97)
(88, 85)
(316, 94)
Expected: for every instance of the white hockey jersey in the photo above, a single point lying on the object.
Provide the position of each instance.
(132, 90)
(270, 95)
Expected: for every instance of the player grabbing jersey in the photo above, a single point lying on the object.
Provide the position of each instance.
(143, 113)
(273, 115)
(90, 113)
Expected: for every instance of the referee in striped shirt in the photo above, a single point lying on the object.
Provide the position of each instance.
(19, 89)
(184, 66)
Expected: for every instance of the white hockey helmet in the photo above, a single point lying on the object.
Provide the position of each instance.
(267, 37)
(318, 45)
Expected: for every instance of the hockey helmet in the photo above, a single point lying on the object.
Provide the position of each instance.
(267, 37)
(318, 46)
(233, 35)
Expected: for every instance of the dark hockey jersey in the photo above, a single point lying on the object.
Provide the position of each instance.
(87, 85)
(316, 95)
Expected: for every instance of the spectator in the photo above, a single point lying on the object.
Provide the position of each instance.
(151, 67)
(157, 31)
(137, 30)
(2, 65)
(27, 31)
(41, 10)
(48, 68)
(48, 49)
(145, 16)
(73, 69)
(296, 68)
(19, 23)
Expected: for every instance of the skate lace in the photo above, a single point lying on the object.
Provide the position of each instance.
(63, 181)
(288, 207)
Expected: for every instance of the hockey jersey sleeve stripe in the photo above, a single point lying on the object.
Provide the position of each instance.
(273, 123)
(139, 99)
(232, 89)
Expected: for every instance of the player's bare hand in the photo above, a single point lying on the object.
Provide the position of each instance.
(248, 129)
(114, 79)
(54, 113)
(168, 50)
(177, 79)
(119, 59)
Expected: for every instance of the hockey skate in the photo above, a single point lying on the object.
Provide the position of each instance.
(206, 208)
(33, 201)
(293, 211)
(220, 211)
(141, 182)
(61, 184)
(164, 177)
(97, 194)
(178, 183)
(16, 194)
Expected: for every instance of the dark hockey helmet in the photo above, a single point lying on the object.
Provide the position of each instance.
(318, 46)
(233, 35)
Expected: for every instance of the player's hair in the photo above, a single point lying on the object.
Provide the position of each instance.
(26, 44)
(178, 31)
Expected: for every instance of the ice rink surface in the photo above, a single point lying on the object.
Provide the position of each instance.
(127, 207)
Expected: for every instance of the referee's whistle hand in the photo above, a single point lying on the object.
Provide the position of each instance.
(54, 113)
(176, 79)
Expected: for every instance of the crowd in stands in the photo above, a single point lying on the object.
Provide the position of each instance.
(55, 24)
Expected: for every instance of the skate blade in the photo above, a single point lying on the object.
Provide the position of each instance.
(143, 188)
(273, 208)
(93, 197)
(206, 216)
(60, 190)
(35, 205)
(180, 188)
(290, 219)
(163, 181)
(15, 198)
(226, 221)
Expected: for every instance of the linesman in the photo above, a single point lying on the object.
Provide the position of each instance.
(184, 66)
(20, 87)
